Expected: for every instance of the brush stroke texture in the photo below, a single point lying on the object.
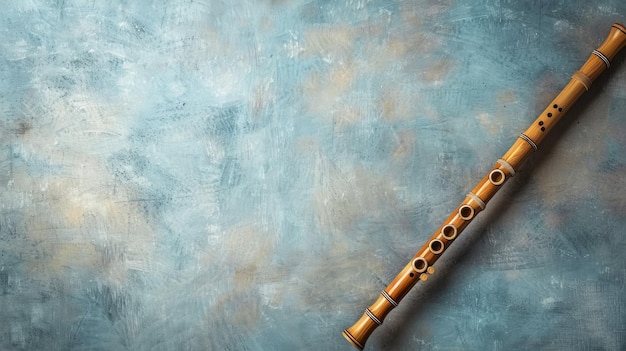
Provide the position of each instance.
(247, 175)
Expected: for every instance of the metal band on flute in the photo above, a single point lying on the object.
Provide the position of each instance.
(603, 58)
(373, 317)
(507, 166)
(476, 199)
(391, 300)
(421, 265)
(529, 141)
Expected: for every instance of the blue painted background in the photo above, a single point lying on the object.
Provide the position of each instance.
(248, 175)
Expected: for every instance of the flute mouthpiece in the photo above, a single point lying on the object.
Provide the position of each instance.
(615, 41)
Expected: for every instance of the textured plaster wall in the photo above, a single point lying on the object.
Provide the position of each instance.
(248, 175)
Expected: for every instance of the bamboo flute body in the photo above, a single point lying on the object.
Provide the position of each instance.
(421, 265)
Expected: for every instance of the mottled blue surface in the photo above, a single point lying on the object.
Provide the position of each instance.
(248, 175)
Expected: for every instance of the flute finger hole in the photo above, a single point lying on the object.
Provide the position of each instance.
(420, 264)
(436, 246)
(449, 232)
(497, 177)
(466, 212)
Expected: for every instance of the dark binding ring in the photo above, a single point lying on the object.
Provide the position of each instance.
(373, 317)
(388, 298)
(603, 58)
(529, 141)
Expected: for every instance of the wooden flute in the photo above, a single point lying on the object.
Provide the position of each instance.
(421, 265)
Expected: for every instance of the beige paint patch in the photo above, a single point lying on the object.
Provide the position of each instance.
(247, 314)
(417, 39)
(490, 123)
(77, 199)
(418, 42)
(438, 70)
(324, 90)
(247, 245)
(415, 13)
(406, 143)
(343, 196)
(58, 226)
(341, 77)
(324, 275)
(244, 278)
(512, 275)
(329, 42)
(83, 255)
(58, 258)
(238, 309)
(507, 97)
(397, 105)
(262, 98)
(401, 105)
(77, 209)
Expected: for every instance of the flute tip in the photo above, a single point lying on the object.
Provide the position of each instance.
(346, 334)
